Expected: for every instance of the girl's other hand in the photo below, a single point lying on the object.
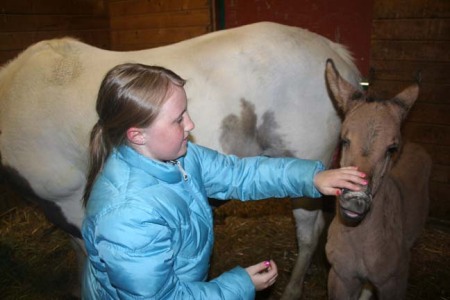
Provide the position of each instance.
(263, 274)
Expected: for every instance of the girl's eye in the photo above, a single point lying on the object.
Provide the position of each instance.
(180, 119)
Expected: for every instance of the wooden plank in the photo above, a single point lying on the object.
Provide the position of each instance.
(429, 92)
(141, 39)
(397, 9)
(6, 56)
(439, 199)
(430, 72)
(94, 7)
(18, 23)
(22, 40)
(430, 113)
(163, 20)
(411, 29)
(97, 38)
(411, 50)
(137, 7)
(426, 133)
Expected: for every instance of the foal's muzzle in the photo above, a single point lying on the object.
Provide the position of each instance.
(354, 206)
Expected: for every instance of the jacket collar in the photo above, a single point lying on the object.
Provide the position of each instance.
(165, 171)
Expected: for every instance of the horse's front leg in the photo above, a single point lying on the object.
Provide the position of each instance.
(310, 223)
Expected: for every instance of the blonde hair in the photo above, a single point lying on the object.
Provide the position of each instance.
(130, 95)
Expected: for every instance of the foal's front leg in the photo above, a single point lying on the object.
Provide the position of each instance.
(395, 287)
(339, 288)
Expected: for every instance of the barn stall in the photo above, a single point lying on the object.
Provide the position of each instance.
(394, 42)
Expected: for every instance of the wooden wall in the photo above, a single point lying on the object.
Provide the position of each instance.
(24, 22)
(108, 24)
(141, 24)
(412, 38)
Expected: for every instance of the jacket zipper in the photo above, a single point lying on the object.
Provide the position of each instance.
(183, 172)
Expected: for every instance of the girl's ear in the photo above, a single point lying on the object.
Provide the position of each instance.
(136, 136)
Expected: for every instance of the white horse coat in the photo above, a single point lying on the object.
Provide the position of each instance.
(276, 72)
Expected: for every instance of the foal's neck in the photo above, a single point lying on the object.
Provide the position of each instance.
(385, 213)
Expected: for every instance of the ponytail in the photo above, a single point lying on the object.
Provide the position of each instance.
(98, 152)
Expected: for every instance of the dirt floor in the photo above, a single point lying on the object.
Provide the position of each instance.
(37, 262)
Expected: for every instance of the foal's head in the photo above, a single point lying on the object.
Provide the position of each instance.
(370, 138)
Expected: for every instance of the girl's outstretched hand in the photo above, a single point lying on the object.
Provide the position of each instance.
(263, 274)
(331, 182)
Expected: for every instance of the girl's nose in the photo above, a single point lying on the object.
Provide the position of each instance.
(189, 124)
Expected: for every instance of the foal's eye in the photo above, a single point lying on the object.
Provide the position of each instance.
(344, 142)
(392, 149)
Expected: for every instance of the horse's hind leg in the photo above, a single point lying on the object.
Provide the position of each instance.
(310, 224)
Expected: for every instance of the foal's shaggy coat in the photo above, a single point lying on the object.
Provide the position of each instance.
(369, 240)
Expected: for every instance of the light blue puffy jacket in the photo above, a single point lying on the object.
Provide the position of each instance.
(148, 227)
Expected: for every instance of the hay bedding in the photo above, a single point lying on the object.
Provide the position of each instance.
(37, 262)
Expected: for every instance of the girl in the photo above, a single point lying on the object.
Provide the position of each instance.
(148, 227)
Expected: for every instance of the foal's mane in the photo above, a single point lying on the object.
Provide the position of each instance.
(370, 98)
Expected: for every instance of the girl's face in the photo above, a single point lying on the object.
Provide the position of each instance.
(166, 138)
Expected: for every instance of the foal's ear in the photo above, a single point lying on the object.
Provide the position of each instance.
(406, 99)
(342, 91)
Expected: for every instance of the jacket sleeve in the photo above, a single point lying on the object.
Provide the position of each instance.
(139, 263)
(231, 177)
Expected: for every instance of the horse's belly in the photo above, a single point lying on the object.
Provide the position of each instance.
(307, 129)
